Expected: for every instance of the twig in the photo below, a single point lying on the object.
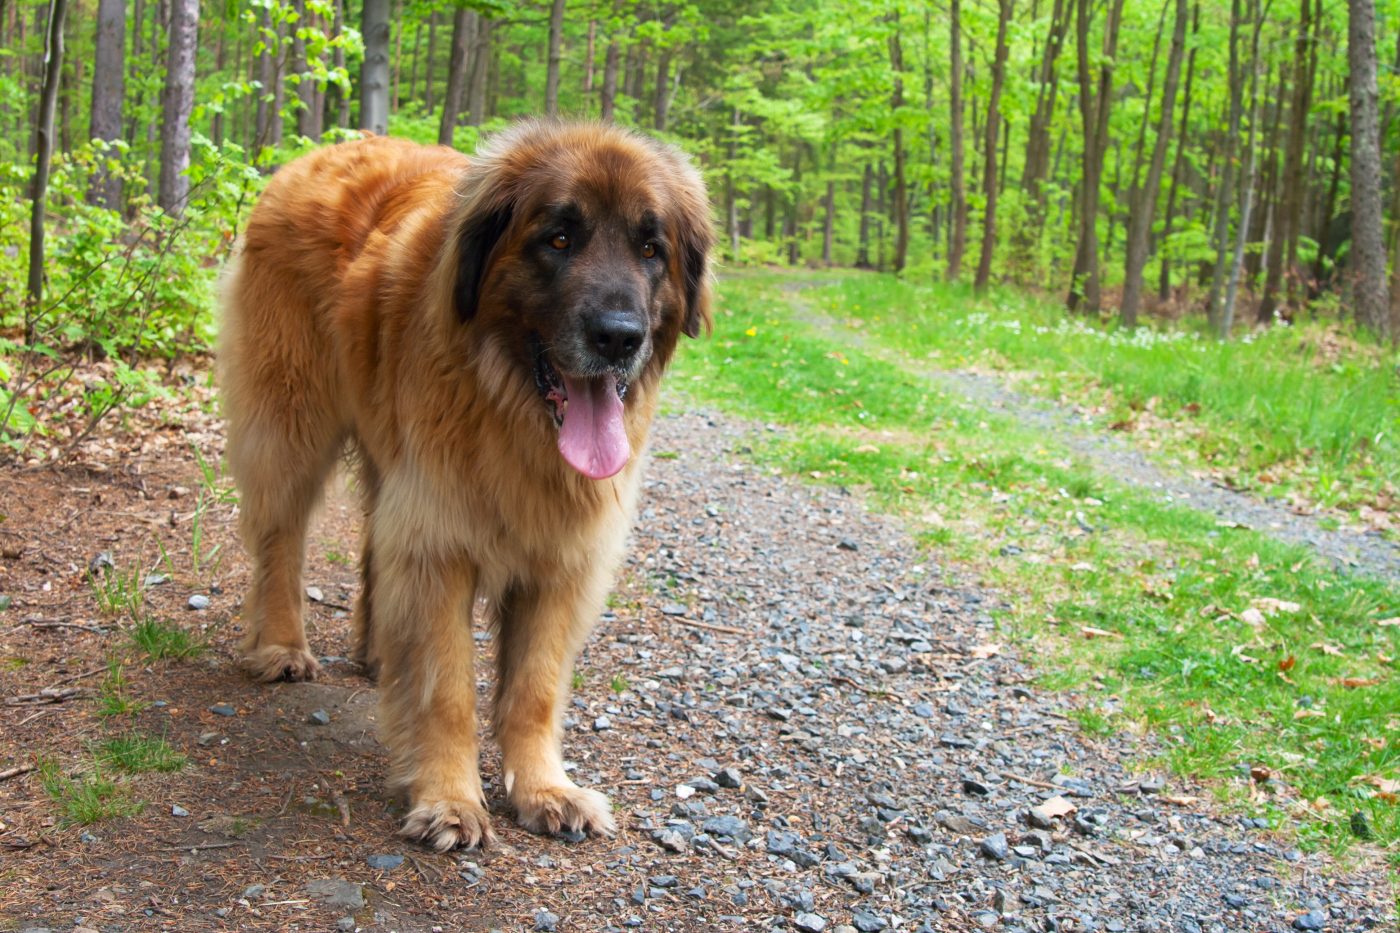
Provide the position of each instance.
(301, 858)
(708, 626)
(57, 623)
(198, 846)
(872, 691)
(343, 806)
(16, 771)
(28, 719)
(43, 696)
(69, 680)
(434, 877)
(1044, 785)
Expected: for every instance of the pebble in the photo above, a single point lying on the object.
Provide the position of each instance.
(319, 718)
(809, 923)
(866, 922)
(546, 920)
(602, 724)
(337, 892)
(178, 810)
(223, 709)
(198, 601)
(994, 846)
(384, 862)
(1312, 920)
(345, 923)
(730, 826)
(729, 777)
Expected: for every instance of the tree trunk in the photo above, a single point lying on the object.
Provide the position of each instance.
(828, 218)
(1220, 239)
(958, 240)
(1084, 286)
(863, 248)
(608, 102)
(1038, 137)
(108, 79)
(309, 116)
(1144, 198)
(1164, 281)
(790, 225)
(176, 105)
(374, 71)
(428, 66)
(662, 101)
(1227, 313)
(556, 45)
(989, 177)
(480, 72)
(337, 100)
(901, 188)
(590, 60)
(463, 38)
(43, 154)
(1367, 244)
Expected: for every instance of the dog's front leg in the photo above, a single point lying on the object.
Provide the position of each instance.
(540, 633)
(427, 683)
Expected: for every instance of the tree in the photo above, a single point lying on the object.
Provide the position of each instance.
(108, 82)
(901, 187)
(1367, 245)
(958, 239)
(43, 156)
(176, 104)
(374, 73)
(989, 177)
(556, 43)
(463, 38)
(1144, 198)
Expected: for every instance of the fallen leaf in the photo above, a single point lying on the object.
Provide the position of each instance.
(1238, 651)
(1308, 714)
(1287, 663)
(1089, 631)
(1356, 682)
(1055, 806)
(1253, 618)
(867, 449)
(1260, 774)
(1388, 623)
(1386, 788)
(1377, 744)
(1270, 606)
(1326, 648)
(985, 651)
(1183, 801)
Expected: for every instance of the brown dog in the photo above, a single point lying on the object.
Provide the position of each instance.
(488, 334)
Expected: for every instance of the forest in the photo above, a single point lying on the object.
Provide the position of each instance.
(1236, 162)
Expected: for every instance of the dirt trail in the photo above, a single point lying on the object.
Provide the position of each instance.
(1361, 552)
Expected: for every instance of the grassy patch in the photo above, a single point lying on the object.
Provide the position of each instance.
(86, 798)
(135, 753)
(112, 698)
(117, 592)
(158, 640)
(1241, 652)
(1304, 409)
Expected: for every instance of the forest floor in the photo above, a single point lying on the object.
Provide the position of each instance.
(806, 719)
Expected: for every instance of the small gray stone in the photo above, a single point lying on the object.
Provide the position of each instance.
(867, 922)
(994, 846)
(178, 810)
(254, 891)
(730, 826)
(337, 892)
(319, 718)
(223, 709)
(1312, 920)
(198, 601)
(669, 840)
(601, 724)
(546, 920)
(206, 739)
(809, 923)
(728, 777)
(384, 862)
(345, 923)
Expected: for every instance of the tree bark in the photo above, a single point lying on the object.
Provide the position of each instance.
(556, 45)
(989, 177)
(1144, 198)
(901, 187)
(661, 103)
(309, 114)
(863, 247)
(590, 55)
(428, 65)
(43, 154)
(374, 72)
(958, 240)
(1164, 280)
(1369, 288)
(608, 101)
(1227, 313)
(463, 38)
(108, 80)
(1225, 196)
(1038, 137)
(176, 105)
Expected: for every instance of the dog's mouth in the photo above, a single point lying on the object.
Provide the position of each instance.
(587, 410)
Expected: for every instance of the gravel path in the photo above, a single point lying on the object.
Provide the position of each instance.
(1363, 552)
(889, 755)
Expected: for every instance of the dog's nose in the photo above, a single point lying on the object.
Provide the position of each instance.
(615, 335)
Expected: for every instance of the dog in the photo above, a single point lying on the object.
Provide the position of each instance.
(486, 336)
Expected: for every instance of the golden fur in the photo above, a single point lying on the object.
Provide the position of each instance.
(385, 297)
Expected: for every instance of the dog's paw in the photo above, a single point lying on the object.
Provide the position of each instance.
(279, 662)
(449, 824)
(565, 806)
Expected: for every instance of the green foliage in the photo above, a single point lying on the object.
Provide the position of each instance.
(135, 753)
(118, 592)
(86, 798)
(157, 640)
(112, 699)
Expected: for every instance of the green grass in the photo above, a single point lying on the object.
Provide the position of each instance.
(1080, 554)
(112, 698)
(118, 592)
(157, 640)
(135, 753)
(1303, 408)
(88, 797)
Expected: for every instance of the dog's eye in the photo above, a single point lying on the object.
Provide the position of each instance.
(560, 241)
(649, 250)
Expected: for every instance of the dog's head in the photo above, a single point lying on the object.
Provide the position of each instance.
(581, 251)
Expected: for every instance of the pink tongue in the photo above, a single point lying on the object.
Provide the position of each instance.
(592, 438)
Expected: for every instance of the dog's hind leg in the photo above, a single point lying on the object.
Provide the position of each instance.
(285, 430)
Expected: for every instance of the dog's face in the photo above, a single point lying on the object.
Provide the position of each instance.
(583, 256)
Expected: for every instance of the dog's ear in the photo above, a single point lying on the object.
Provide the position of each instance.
(477, 236)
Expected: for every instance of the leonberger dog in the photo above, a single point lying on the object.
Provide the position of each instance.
(486, 336)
